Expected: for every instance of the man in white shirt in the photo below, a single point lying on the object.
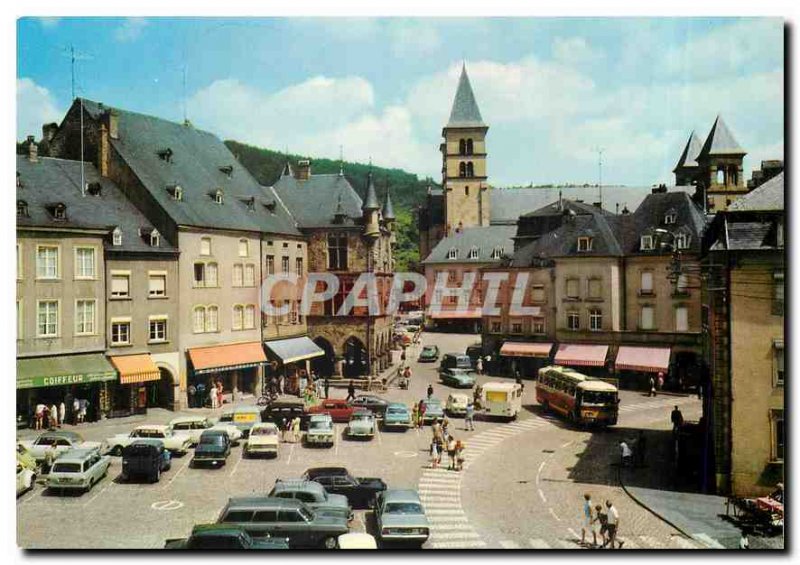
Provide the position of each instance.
(626, 453)
(613, 524)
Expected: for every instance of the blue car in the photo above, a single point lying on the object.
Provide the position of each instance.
(397, 415)
(433, 410)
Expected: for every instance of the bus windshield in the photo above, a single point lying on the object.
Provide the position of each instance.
(597, 398)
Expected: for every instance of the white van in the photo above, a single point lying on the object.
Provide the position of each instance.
(501, 399)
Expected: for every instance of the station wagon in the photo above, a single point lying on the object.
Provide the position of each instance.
(78, 469)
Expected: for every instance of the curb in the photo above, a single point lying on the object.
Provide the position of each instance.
(646, 507)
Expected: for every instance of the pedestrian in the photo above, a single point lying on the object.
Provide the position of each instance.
(520, 383)
(459, 455)
(469, 417)
(46, 417)
(83, 406)
(303, 383)
(54, 416)
(282, 428)
(50, 455)
(192, 390)
(676, 417)
(479, 366)
(421, 414)
(351, 391)
(451, 453)
(430, 391)
(327, 385)
(434, 454)
(62, 413)
(212, 395)
(318, 384)
(660, 381)
(76, 410)
(613, 525)
(744, 541)
(296, 429)
(586, 524)
(641, 449)
(220, 397)
(600, 524)
(414, 414)
(38, 416)
(652, 387)
(626, 454)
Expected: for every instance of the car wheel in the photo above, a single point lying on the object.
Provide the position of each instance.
(330, 543)
(157, 475)
(117, 450)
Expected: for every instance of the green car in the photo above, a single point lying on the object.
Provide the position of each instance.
(221, 536)
(458, 378)
(397, 415)
(400, 518)
(429, 354)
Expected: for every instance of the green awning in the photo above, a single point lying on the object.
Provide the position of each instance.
(64, 370)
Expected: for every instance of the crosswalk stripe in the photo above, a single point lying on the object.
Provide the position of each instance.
(539, 544)
(458, 544)
(708, 541)
(509, 544)
(651, 541)
(684, 543)
(443, 512)
(437, 488)
(434, 499)
(446, 527)
(431, 481)
(436, 536)
(447, 519)
(431, 506)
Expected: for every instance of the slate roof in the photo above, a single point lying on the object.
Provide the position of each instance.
(314, 202)
(767, 197)
(198, 160)
(388, 210)
(465, 112)
(688, 158)
(52, 181)
(371, 199)
(486, 239)
(720, 141)
(747, 236)
(650, 215)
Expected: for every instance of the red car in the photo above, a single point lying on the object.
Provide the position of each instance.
(338, 408)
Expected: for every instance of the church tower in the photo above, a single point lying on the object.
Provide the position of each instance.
(464, 176)
(720, 172)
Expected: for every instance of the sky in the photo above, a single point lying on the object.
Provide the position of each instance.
(554, 91)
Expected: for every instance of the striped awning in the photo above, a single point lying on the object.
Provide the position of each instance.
(644, 359)
(581, 355)
(227, 357)
(519, 349)
(455, 315)
(294, 349)
(135, 368)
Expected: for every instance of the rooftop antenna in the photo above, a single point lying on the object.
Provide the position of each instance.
(341, 160)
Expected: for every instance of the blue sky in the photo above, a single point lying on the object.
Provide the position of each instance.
(553, 91)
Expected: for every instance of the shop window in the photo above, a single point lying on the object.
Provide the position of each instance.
(47, 318)
(85, 317)
(595, 320)
(120, 332)
(573, 320)
(158, 330)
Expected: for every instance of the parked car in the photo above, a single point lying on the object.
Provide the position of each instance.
(302, 526)
(320, 430)
(357, 540)
(147, 458)
(223, 536)
(371, 402)
(433, 410)
(339, 409)
(455, 361)
(176, 442)
(456, 404)
(194, 426)
(25, 457)
(242, 417)
(429, 354)
(26, 478)
(458, 378)
(360, 491)
(61, 441)
(473, 352)
(286, 410)
(314, 495)
(78, 469)
(262, 440)
(214, 447)
(397, 416)
(361, 425)
(400, 518)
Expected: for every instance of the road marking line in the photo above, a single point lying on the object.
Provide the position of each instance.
(708, 541)
(573, 532)
(552, 512)
(684, 543)
(444, 527)
(88, 502)
(539, 472)
(437, 487)
(447, 479)
(444, 511)
(445, 519)
(336, 440)
(453, 535)
(539, 544)
(458, 545)
(178, 472)
(434, 506)
(236, 466)
(426, 500)
(291, 452)
(509, 544)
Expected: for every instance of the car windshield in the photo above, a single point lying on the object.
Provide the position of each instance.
(396, 410)
(319, 425)
(362, 417)
(433, 403)
(148, 433)
(140, 449)
(182, 426)
(67, 468)
(211, 439)
(402, 508)
(592, 397)
(263, 432)
(428, 349)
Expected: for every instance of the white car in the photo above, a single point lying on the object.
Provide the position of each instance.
(194, 426)
(25, 479)
(176, 442)
(263, 439)
(60, 441)
(456, 404)
(320, 430)
(78, 469)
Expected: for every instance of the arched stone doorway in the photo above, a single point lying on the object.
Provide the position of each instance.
(324, 365)
(161, 393)
(356, 363)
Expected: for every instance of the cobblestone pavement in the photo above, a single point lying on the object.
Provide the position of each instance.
(521, 487)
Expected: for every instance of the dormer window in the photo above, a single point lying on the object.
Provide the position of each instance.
(22, 208)
(670, 217)
(58, 211)
(165, 154)
(227, 170)
(155, 239)
(682, 240)
(176, 192)
(473, 253)
(497, 253)
(584, 244)
(452, 253)
(217, 196)
(94, 188)
(116, 237)
(646, 243)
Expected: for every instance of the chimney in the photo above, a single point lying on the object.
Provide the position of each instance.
(49, 131)
(33, 150)
(103, 150)
(112, 116)
(303, 171)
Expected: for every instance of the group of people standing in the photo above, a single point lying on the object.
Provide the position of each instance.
(290, 429)
(443, 441)
(54, 416)
(600, 521)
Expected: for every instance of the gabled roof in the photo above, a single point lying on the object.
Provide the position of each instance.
(465, 112)
(58, 180)
(201, 164)
(485, 239)
(720, 141)
(767, 197)
(688, 158)
(314, 202)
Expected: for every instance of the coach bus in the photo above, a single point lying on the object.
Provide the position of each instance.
(582, 399)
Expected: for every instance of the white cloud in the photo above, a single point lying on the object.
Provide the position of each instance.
(574, 51)
(130, 29)
(35, 107)
(413, 37)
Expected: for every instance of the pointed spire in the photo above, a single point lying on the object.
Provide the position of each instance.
(720, 141)
(465, 112)
(388, 209)
(341, 161)
(371, 200)
(688, 158)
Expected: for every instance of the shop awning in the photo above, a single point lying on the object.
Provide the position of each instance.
(227, 357)
(581, 355)
(64, 370)
(519, 349)
(294, 349)
(136, 368)
(455, 315)
(645, 359)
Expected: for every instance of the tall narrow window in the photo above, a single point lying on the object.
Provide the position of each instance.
(199, 274)
(337, 252)
(84, 317)
(284, 264)
(238, 317)
(250, 316)
(469, 147)
(595, 320)
(249, 275)
(462, 169)
(682, 284)
(462, 146)
(646, 284)
(778, 361)
(211, 274)
(537, 325)
(270, 265)
(238, 274)
(47, 262)
(199, 319)
(116, 237)
(212, 319)
(584, 244)
(120, 285)
(646, 243)
(298, 266)
(776, 417)
(244, 248)
(646, 318)
(573, 288)
(47, 318)
(84, 262)
(573, 320)
(681, 319)
(595, 288)
(205, 246)
(777, 293)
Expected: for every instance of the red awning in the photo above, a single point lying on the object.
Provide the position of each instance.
(645, 359)
(456, 315)
(518, 349)
(227, 357)
(582, 355)
(136, 368)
